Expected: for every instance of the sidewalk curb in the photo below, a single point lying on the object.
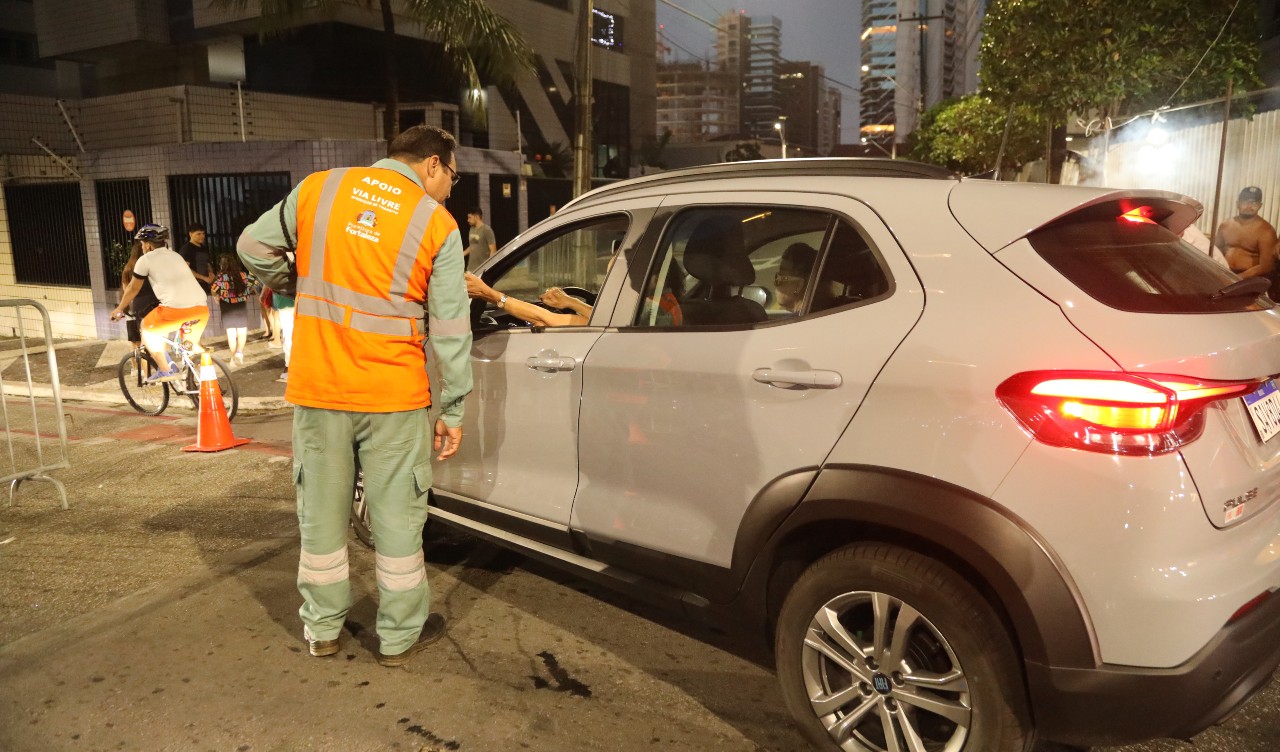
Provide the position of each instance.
(78, 394)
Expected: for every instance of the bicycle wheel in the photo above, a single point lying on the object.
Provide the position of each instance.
(148, 399)
(191, 386)
(360, 513)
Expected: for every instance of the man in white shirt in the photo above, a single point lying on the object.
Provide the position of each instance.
(182, 300)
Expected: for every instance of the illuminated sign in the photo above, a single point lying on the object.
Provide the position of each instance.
(606, 30)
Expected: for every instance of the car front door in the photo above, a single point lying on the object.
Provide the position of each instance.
(758, 332)
(519, 453)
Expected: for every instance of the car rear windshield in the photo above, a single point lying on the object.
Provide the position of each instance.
(1140, 267)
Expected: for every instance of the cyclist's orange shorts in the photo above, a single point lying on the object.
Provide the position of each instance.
(163, 320)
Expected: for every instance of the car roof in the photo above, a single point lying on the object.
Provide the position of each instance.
(817, 167)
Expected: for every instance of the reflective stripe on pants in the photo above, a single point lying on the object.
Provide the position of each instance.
(394, 453)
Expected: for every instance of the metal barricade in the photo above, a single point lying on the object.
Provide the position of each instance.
(26, 465)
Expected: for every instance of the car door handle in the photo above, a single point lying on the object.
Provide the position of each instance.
(805, 379)
(551, 363)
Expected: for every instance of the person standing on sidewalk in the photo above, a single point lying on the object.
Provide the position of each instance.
(197, 256)
(143, 303)
(1247, 240)
(375, 245)
(233, 290)
(283, 306)
(481, 243)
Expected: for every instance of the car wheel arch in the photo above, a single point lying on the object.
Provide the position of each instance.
(988, 545)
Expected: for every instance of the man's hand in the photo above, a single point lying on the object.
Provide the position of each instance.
(447, 438)
(117, 314)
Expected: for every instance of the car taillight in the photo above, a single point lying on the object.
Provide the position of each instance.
(1114, 412)
(1253, 603)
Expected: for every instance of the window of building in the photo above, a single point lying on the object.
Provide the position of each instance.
(17, 48)
(606, 30)
(46, 228)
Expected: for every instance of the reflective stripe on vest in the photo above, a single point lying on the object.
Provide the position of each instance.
(363, 322)
(323, 299)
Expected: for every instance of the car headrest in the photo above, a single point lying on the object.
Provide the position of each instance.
(717, 255)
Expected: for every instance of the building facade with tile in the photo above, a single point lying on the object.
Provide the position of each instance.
(177, 111)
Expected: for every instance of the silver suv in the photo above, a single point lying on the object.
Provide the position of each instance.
(991, 464)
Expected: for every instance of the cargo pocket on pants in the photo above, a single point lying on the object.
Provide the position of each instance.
(422, 484)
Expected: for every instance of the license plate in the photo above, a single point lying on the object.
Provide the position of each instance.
(1264, 409)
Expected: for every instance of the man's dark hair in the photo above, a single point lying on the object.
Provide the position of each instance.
(195, 227)
(477, 211)
(422, 142)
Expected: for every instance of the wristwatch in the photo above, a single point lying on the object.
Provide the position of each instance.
(502, 301)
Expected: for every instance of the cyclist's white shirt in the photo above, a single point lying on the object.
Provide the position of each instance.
(171, 279)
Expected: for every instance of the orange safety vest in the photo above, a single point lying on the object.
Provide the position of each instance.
(367, 238)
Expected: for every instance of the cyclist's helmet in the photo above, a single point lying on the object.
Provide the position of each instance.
(152, 233)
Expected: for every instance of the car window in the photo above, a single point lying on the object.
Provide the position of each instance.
(1139, 267)
(726, 266)
(576, 259)
(850, 273)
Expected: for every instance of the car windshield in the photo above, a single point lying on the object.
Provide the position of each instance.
(1140, 267)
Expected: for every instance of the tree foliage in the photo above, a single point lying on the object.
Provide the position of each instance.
(964, 135)
(480, 45)
(1113, 57)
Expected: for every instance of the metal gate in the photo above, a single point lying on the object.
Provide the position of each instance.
(224, 204)
(115, 197)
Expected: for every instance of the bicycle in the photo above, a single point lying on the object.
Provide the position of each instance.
(152, 398)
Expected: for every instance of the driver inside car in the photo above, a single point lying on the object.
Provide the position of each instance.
(536, 315)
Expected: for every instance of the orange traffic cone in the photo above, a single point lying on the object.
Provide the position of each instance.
(213, 433)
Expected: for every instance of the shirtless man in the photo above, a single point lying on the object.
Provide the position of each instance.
(1247, 240)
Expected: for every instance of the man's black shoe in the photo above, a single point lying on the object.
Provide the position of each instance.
(432, 631)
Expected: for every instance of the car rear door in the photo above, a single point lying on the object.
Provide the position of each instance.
(691, 407)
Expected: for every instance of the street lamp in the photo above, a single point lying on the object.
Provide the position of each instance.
(781, 127)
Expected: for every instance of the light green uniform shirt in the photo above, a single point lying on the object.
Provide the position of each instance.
(447, 300)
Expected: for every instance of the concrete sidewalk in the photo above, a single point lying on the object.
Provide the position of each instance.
(88, 369)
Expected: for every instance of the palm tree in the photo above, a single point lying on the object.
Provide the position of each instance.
(478, 42)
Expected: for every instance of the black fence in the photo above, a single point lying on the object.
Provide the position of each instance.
(115, 197)
(224, 204)
(46, 228)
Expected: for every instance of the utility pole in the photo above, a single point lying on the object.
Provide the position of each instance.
(920, 19)
(582, 99)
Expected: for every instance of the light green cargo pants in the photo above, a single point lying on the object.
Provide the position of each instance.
(394, 452)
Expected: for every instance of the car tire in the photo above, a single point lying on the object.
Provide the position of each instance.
(948, 676)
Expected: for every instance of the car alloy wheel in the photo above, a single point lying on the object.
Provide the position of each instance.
(880, 675)
(883, 649)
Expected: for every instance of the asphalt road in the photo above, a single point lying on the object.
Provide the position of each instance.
(159, 612)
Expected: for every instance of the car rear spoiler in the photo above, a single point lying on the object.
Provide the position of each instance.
(997, 214)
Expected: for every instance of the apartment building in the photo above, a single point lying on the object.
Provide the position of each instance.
(178, 111)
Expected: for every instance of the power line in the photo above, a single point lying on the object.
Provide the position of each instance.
(1206, 53)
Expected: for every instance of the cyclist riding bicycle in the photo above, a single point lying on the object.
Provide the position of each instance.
(182, 299)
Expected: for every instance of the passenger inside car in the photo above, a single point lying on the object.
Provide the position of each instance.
(793, 275)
